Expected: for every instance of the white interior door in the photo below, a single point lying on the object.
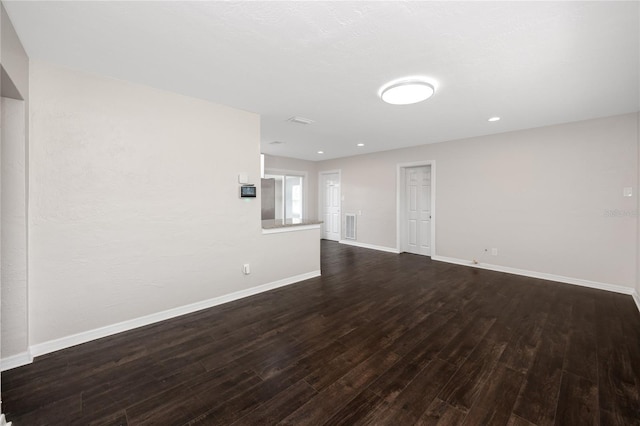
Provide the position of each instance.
(417, 212)
(331, 206)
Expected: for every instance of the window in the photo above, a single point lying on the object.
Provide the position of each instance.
(289, 195)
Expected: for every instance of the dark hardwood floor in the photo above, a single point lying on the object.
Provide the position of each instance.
(378, 339)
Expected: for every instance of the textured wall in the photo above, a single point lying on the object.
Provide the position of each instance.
(13, 169)
(14, 230)
(12, 55)
(546, 198)
(135, 204)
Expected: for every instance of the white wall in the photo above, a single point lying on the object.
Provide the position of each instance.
(540, 196)
(13, 230)
(637, 197)
(14, 79)
(272, 162)
(13, 56)
(135, 204)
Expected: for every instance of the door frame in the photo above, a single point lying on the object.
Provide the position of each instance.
(401, 198)
(321, 196)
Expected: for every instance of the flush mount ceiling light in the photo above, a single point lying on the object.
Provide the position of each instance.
(492, 119)
(360, 144)
(406, 91)
(320, 152)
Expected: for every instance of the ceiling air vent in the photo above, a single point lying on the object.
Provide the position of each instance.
(300, 120)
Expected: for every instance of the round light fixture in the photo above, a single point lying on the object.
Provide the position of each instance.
(360, 144)
(492, 119)
(406, 92)
(320, 152)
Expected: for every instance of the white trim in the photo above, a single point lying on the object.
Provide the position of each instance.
(87, 336)
(321, 194)
(399, 191)
(3, 421)
(15, 361)
(370, 246)
(636, 299)
(290, 228)
(542, 275)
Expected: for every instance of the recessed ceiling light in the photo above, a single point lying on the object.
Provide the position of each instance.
(360, 144)
(320, 152)
(494, 119)
(406, 91)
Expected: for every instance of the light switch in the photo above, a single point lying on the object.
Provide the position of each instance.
(627, 192)
(243, 178)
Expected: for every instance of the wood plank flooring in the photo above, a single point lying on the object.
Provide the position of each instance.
(379, 339)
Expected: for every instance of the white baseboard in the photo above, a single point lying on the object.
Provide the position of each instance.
(14, 361)
(3, 421)
(87, 336)
(370, 246)
(636, 299)
(542, 275)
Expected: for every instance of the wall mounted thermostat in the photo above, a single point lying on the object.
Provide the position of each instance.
(247, 191)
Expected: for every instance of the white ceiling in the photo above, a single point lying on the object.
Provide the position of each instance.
(532, 63)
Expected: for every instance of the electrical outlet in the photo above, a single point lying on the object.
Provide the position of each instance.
(494, 252)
